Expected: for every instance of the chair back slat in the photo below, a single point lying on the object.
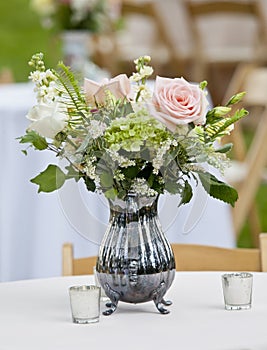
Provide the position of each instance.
(188, 257)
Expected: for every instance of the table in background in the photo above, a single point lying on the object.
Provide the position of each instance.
(34, 226)
(35, 314)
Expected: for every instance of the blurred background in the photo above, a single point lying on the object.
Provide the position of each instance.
(223, 42)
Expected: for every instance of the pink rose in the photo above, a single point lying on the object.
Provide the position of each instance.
(119, 86)
(176, 101)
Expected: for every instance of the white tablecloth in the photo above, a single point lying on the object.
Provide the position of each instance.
(34, 226)
(35, 314)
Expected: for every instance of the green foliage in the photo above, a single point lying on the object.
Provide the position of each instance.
(19, 25)
(49, 180)
(135, 131)
(216, 128)
(225, 148)
(72, 173)
(90, 184)
(203, 85)
(187, 193)
(218, 189)
(236, 98)
(106, 180)
(71, 93)
(37, 141)
(116, 147)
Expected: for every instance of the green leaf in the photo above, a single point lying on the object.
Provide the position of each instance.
(106, 180)
(157, 186)
(187, 194)
(35, 139)
(120, 194)
(171, 187)
(146, 171)
(218, 129)
(131, 172)
(224, 149)
(218, 189)
(72, 173)
(90, 184)
(111, 193)
(51, 179)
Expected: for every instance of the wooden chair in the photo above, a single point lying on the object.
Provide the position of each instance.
(188, 257)
(144, 33)
(225, 53)
(248, 167)
(192, 257)
(76, 266)
(6, 76)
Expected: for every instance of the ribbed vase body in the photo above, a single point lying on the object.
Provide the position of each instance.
(135, 262)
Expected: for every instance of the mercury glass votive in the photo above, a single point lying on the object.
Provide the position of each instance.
(237, 290)
(85, 303)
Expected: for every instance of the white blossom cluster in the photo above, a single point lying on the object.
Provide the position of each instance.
(141, 187)
(143, 91)
(143, 73)
(97, 128)
(157, 162)
(118, 175)
(123, 162)
(192, 167)
(90, 168)
(220, 162)
(45, 86)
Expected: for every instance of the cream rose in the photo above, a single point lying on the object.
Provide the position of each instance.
(47, 119)
(119, 86)
(176, 101)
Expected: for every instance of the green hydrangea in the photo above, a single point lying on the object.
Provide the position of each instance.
(134, 132)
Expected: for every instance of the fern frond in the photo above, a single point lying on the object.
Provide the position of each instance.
(71, 93)
(218, 129)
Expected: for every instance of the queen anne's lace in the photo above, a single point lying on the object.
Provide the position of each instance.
(141, 187)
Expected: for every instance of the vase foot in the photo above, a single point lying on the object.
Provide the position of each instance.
(166, 302)
(111, 308)
(161, 309)
(114, 299)
(158, 299)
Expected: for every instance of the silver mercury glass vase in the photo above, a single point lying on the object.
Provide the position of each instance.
(135, 262)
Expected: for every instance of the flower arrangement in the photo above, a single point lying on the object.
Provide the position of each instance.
(91, 15)
(118, 136)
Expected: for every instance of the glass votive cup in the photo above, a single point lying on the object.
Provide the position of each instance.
(85, 303)
(103, 295)
(237, 290)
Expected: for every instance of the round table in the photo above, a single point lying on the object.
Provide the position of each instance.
(35, 314)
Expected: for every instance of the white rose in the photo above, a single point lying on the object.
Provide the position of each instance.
(47, 119)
